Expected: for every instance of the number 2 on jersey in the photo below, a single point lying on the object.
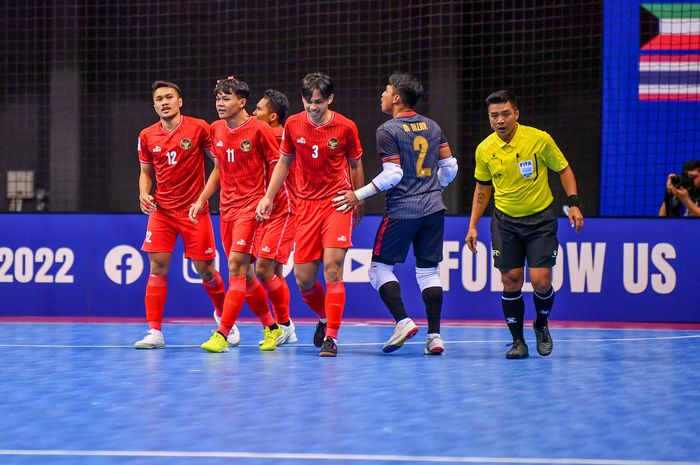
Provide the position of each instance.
(420, 145)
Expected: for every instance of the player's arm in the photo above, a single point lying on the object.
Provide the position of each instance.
(389, 177)
(279, 174)
(447, 166)
(568, 182)
(146, 202)
(482, 195)
(357, 177)
(209, 189)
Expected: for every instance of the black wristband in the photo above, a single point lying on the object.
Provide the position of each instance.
(573, 201)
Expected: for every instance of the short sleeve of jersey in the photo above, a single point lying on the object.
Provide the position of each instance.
(387, 148)
(144, 155)
(553, 157)
(353, 148)
(287, 145)
(206, 136)
(481, 170)
(268, 143)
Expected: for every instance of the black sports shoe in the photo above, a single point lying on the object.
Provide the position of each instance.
(519, 350)
(544, 340)
(319, 334)
(329, 348)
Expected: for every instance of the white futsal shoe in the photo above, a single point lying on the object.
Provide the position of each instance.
(153, 340)
(405, 330)
(434, 345)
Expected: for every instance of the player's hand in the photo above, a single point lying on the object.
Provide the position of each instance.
(147, 204)
(194, 209)
(357, 214)
(346, 201)
(263, 210)
(470, 239)
(575, 218)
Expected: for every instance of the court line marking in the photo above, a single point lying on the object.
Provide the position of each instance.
(349, 344)
(346, 457)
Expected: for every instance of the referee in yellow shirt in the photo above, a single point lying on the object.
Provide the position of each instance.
(513, 161)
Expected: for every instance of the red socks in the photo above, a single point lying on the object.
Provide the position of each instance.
(232, 304)
(278, 291)
(156, 291)
(217, 292)
(315, 298)
(256, 299)
(335, 303)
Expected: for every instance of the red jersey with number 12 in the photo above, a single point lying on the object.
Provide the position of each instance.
(177, 158)
(321, 154)
(244, 155)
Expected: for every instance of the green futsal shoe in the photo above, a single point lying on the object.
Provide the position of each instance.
(216, 343)
(270, 340)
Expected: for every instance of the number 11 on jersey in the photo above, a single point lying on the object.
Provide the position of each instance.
(229, 155)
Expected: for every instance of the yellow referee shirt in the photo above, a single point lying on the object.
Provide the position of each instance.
(518, 169)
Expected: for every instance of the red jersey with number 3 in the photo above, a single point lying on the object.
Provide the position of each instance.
(177, 158)
(321, 154)
(244, 155)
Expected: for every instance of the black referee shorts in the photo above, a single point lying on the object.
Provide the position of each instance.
(535, 237)
(395, 236)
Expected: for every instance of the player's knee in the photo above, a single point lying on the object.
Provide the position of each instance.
(264, 269)
(380, 274)
(428, 277)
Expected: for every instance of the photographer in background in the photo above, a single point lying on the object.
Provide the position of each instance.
(683, 192)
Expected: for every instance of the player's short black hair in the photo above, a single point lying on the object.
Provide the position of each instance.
(502, 96)
(314, 81)
(691, 165)
(279, 103)
(158, 84)
(408, 87)
(232, 86)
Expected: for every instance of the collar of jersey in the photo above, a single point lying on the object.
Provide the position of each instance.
(308, 118)
(182, 119)
(239, 127)
(405, 113)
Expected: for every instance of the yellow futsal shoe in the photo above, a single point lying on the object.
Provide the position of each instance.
(271, 336)
(216, 343)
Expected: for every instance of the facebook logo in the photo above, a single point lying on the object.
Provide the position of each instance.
(123, 264)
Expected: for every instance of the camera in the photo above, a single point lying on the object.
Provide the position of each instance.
(683, 180)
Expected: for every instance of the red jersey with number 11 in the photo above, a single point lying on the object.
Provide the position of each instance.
(244, 154)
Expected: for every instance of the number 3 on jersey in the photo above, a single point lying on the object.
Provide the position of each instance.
(315, 154)
(420, 145)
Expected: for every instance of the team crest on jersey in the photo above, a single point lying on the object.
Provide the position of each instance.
(526, 168)
(246, 146)
(333, 143)
(186, 144)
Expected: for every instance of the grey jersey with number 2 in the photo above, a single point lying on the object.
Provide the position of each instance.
(413, 141)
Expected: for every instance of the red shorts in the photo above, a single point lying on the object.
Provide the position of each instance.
(162, 231)
(276, 239)
(319, 227)
(238, 234)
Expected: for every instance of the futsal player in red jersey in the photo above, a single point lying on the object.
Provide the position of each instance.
(325, 149)
(173, 149)
(276, 240)
(243, 147)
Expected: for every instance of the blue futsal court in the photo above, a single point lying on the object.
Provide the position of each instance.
(79, 394)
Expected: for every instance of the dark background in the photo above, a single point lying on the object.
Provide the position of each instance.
(75, 80)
